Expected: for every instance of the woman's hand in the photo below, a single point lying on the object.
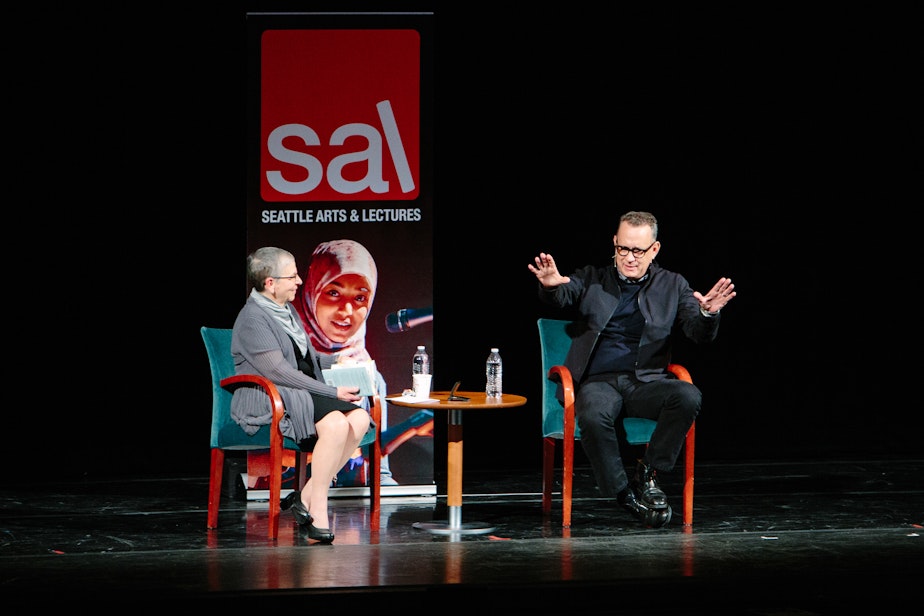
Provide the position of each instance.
(348, 394)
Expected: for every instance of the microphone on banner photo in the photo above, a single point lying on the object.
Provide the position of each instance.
(406, 318)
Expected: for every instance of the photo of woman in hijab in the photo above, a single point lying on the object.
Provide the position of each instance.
(334, 304)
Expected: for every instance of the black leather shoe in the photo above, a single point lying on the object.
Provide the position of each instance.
(294, 502)
(652, 518)
(645, 484)
(322, 535)
(289, 500)
(627, 501)
(649, 502)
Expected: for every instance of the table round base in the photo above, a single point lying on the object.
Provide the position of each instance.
(444, 528)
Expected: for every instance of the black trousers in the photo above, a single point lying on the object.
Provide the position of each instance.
(602, 400)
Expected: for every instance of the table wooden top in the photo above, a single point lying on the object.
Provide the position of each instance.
(477, 400)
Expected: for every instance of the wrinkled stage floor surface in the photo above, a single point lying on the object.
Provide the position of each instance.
(767, 538)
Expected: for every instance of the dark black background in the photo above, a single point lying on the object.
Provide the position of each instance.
(777, 146)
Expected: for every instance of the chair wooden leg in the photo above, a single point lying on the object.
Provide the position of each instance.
(302, 460)
(567, 476)
(275, 491)
(375, 485)
(548, 471)
(689, 456)
(375, 466)
(216, 471)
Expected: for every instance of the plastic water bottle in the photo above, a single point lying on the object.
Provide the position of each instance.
(494, 374)
(421, 361)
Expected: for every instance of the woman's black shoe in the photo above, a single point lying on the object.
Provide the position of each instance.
(287, 502)
(294, 502)
(320, 534)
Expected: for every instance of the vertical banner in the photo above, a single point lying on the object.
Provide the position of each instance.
(339, 172)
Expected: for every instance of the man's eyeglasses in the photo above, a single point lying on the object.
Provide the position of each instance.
(623, 251)
(292, 277)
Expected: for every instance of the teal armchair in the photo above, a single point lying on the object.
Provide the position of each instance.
(227, 435)
(558, 422)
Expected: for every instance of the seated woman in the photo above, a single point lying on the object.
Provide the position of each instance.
(268, 339)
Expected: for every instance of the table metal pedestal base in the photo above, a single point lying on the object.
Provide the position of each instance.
(455, 526)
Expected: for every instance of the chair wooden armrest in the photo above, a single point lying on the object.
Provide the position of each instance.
(560, 374)
(232, 383)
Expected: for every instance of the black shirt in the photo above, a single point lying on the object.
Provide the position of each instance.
(617, 347)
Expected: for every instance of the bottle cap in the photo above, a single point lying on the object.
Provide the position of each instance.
(495, 350)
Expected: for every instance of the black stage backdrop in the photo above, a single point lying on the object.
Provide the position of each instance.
(777, 146)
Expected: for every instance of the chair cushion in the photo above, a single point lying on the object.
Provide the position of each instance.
(638, 430)
(231, 436)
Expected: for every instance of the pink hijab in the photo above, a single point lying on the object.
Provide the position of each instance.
(329, 261)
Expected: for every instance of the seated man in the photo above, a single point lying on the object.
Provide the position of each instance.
(619, 363)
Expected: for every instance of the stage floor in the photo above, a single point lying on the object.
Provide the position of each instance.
(767, 537)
